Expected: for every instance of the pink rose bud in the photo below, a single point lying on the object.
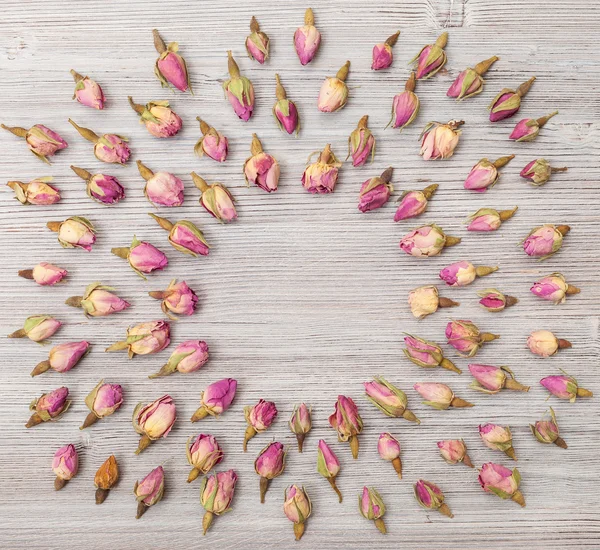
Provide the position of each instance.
(493, 300)
(110, 148)
(285, 110)
(160, 120)
(98, 301)
(162, 188)
(177, 299)
(170, 67)
(297, 508)
(212, 143)
(328, 465)
(454, 451)
(545, 344)
(546, 431)
(426, 300)
(508, 101)
(388, 448)
(375, 192)
(102, 401)
(389, 399)
(239, 91)
(485, 174)
(488, 219)
(321, 176)
(88, 92)
(142, 257)
(42, 141)
(554, 288)
(49, 407)
(300, 423)
(100, 187)
(427, 240)
(203, 454)
(307, 39)
(427, 354)
(38, 328)
(334, 91)
(538, 172)
(269, 464)
(545, 241)
(361, 143)
(382, 53)
(44, 274)
(371, 506)
(464, 273)
(439, 396)
(497, 438)
(501, 481)
(405, 106)
(154, 420)
(431, 58)
(257, 42)
(63, 358)
(184, 236)
(528, 129)
(261, 169)
(74, 232)
(489, 379)
(65, 465)
(149, 491)
(215, 399)
(37, 191)
(259, 418)
(438, 141)
(216, 199)
(431, 497)
(564, 386)
(346, 421)
(189, 356)
(466, 338)
(414, 203)
(216, 494)
(469, 82)
(144, 339)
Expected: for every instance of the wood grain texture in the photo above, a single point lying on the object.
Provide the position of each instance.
(303, 297)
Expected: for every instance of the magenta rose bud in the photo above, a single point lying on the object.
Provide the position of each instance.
(149, 491)
(328, 465)
(49, 407)
(493, 300)
(321, 176)
(545, 344)
(508, 101)
(464, 273)
(44, 274)
(154, 420)
(466, 338)
(239, 91)
(431, 58)
(375, 192)
(216, 399)
(285, 110)
(431, 497)
(427, 240)
(261, 169)
(98, 301)
(427, 354)
(88, 92)
(170, 67)
(488, 219)
(554, 288)
(102, 401)
(485, 174)
(414, 203)
(528, 129)
(564, 386)
(100, 187)
(213, 144)
(501, 481)
(439, 396)
(346, 421)
(74, 232)
(389, 399)
(259, 418)
(334, 91)
(454, 451)
(405, 106)
(63, 358)
(216, 494)
(361, 143)
(184, 236)
(382, 53)
(307, 39)
(144, 339)
(37, 191)
(257, 42)
(160, 120)
(189, 356)
(203, 455)
(297, 508)
(300, 423)
(545, 241)
(65, 465)
(38, 328)
(469, 82)
(177, 299)
(388, 448)
(110, 148)
(538, 172)
(438, 141)
(371, 506)
(489, 379)
(269, 464)
(42, 141)
(426, 300)
(497, 438)
(142, 257)
(547, 432)
(216, 199)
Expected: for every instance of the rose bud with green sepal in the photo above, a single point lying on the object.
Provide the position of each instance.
(300, 423)
(297, 508)
(488, 219)
(203, 454)
(101, 187)
(497, 438)
(375, 192)
(38, 328)
(528, 129)
(439, 396)
(170, 68)
(328, 465)
(239, 91)
(508, 101)
(545, 241)
(431, 58)
(538, 172)
(269, 464)
(438, 141)
(389, 399)
(110, 148)
(154, 420)
(427, 354)
(98, 301)
(74, 232)
(65, 465)
(261, 169)
(216, 399)
(257, 43)
(216, 495)
(414, 203)
(216, 199)
(427, 240)
(213, 144)
(546, 431)
(149, 491)
(160, 120)
(388, 448)
(177, 299)
(143, 257)
(382, 53)
(346, 421)
(371, 507)
(469, 82)
(103, 400)
(466, 338)
(321, 176)
(554, 288)
(49, 407)
(501, 481)
(361, 143)
(144, 339)
(490, 379)
(307, 39)
(484, 174)
(463, 273)
(184, 236)
(44, 274)
(334, 91)
(37, 191)
(259, 418)
(454, 451)
(493, 300)
(63, 358)
(42, 141)
(431, 497)
(187, 357)
(564, 386)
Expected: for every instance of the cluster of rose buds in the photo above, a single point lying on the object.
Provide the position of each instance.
(538, 172)
(389, 399)
(98, 301)
(38, 328)
(285, 110)
(307, 39)
(149, 491)
(501, 481)
(239, 91)
(261, 169)
(431, 58)
(464, 273)
(110, 148)
(439, 396)
(426, 300)
(414, 203)
(321, 176)
(269, 464)
(215, 399)
(488, 219)
(259, 418)
(101, 187)
(427, 240)
(554, 288)
(300, 424)
(371, 507)
(430, 497)
(546, 431)
(469, 82)
(375, 192)
(257, 42)
(545, 241)
(361, 143)
(184, 236)
(493, 300)
(216, 199)
(346, 421)
(49, 407)
(216, 495)
(203, 454)
(154, 420)
(65, 465)
(37, 191)
(388, 448)
(44, 274)
(74, 232)
(176, 299)
(102, 401)
(187, 357)
(508, 101)
(334, 91)
(564, 386)
(528, 129)
(466, 338)
(143, 257)
(382, 53)
(170, 67)
(427, 354)
(63, 358)
(106, 478)
(144, 339)
(297, 508)
(454, 451)
(160, 120)
(88, 92)
(438, 141)
(485, 174)
(213, 144)
(42, 141)
(545, 344)
(490, 379)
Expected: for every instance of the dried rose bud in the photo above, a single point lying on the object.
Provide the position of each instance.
(37, 191)
(489, 379)
(300, 423)
(259, 418)
(485, 174)
(160, 120)
(466, 338)
(49, 407)
(564, 386)
(63, 358)
(414, 203)
(74, 232)
(142, 257)
(106, 478)
(430, 497)
(501, 481)
(321, 176)
(554, 288)
(431, 58)
(454, 451)
(144, 339)
(307, 39)
(493, 300)
(388, 448)
(382, 53)
(100, 187)
(65, 465)
(371, 506)
(102, 401)
(528, 129)
(257, 42)
(88, 92)
(427, 240)
(216, 495)
(405, 106)
(285, 110)
(426, 300)
(239, 91)
(215, 399)
(37, 328)
(328, 465)
(438, 141)
(203, 454)
(389, 399)
(488, 219)
(545, 241)
(508, 101)
(149, 491)
(162, 188)
(361, 143)
(375, 192)
(546, 431)
(154, 420)
(545, 344)
(297, 508)
(439, 396)
(212, 143)
(427, 354)
(464, 273)
(346, 421)
(187, 357)
(216, 199)
(98, 301)
(170, 67)
(42, 141)
(44, 274)
(184, 236)
(269, 464)
(177, 299)
(469, 82)
(497, 438)
(538, 172)
(334, 91)
(261, 169)
(110, 148)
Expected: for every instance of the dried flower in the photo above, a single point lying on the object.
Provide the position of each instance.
(405, 105)
(307, 39)
(63, 358)
(216, 495)
(49, 407)
(215, 399)
(300, 423)
(42, 141)
(285, 110)
(466, 338)
(371, 506)
(493, 300)
(546, 431)
(149, 491)
(269, 464)
(257, 43)
(489, 379)
(564, 386)
(430, 497)
(454, 451)
(361, 143)
(102, 401)
(74, 232)
(439, 396)
(65, 465)
(545, 344)
(334, 91)
(554, 288)
(216, 199)
(38, 328)
(431, 58)
(426, 300)
(144, 339)
(427, 354)
(375, 192)
(469, 82)
(37, 191)
(177, 299)
(538, 172)
(501, 481)
(143, 257)
(184, 236)
(154, 420)
(347, 422)
(321, 176)
(497, 438)
(427, 240)
(328, 465)
(260, 168)
(545, 241)
(170, 67)
(239, 91)
(162, 188)
(106, 478)
(414, 203)
(382, 53)
(297, 508)
(160, 120)
(488, 219)
(88, 92)
(388, 448)
(44, 274)
(203, 454)
(110, 148)
(389, 399)
(485, 174)
(463, 273)
(508, 101)
(438, 141)
(101, 187)
(98, 301)
(259, 418)
(528, 129)
(189, 356)
(212, 143)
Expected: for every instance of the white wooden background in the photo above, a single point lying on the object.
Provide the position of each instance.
(304, 297)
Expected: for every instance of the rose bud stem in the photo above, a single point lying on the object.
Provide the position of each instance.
(74, 301)
(250, 433)
(44, 366)
(489, 337)
(342, 74)
(193, 475)
(563, 229)
(510, 453)
(483, 66)
(461, 403)
(101, 495)
(279, 89)
(447, 302)
(18, 334)
(143, 444)
(386, 175)
(59, 482)
(53, 226)
(511, 301)
(560, 442)
(141, 508)
(354, 446)
(26, 274)
(199, 414)
(512, 384)
(391, 41)
(16, 130)
(139, 109)
(163, 222)
(467, 460)
(204, 127)
(89, 420)
(255, 146)
(36, 419)
(380, 525)
(408, 415)
(445, 509)
(572, 290)
(199, 182)
(232, 66)
(503, 161)
(525, 87)
(144, 171)
(507, 214)
(542, 120)
(300, 438)
(206, 521)
(335, 487)
(452, 241)
(484, 270)
(518, 498)
(430, 190)
(397, 464)
(159, 43)
(447, 364)
(85, 132)
(298, 530)
(264, 486)
(564, 344)
(76, 76)
(554, 170)
(83, 174)
(582, 392)
(121, 252)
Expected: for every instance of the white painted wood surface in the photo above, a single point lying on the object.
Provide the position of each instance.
(303, 297)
